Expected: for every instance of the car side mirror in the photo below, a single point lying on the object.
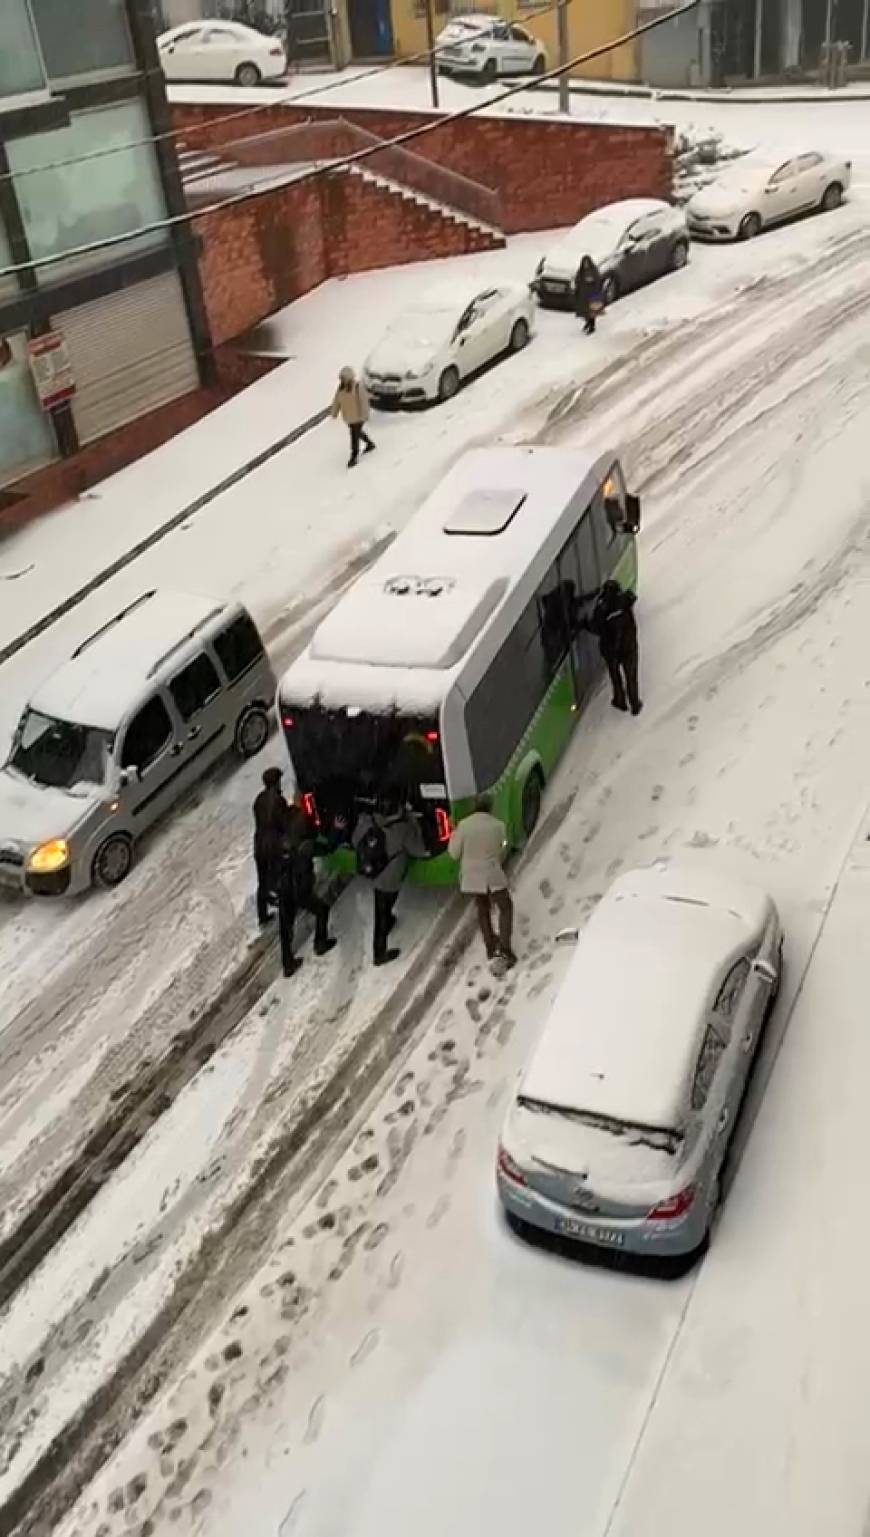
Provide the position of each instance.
(128, 775)
(631, 521)
(766, 973)
(567, 936)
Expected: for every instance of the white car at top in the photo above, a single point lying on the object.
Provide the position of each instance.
(442, 338)
(488, 47)
(757, 192)
(221, 50)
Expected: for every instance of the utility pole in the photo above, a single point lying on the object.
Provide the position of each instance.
(829, 25)
(759, 24)
(864, 26)
(564, 89)
(433, 62)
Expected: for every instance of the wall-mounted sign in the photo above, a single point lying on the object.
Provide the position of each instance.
(51, 368)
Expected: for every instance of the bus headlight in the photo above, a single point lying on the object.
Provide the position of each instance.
(49, 856)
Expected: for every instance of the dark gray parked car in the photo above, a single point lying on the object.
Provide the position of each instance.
(630, 242)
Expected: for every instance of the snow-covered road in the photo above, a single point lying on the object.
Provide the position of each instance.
(399, 1361)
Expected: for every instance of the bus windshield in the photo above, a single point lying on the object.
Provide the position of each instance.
(346, 758)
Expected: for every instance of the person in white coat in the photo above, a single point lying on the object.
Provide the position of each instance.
(351, 403)
(479, 845)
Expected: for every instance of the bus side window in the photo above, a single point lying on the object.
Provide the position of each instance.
(555, 600)
(501, 706)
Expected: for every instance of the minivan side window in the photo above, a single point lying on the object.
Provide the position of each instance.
(148, 731)
(711, 1050)
(238, 646)
(730, 993)
(194, 686)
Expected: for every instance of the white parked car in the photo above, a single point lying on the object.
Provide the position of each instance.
(756, 193)
(487, 47)
(221, 50)
(427, 351)
(631, 242)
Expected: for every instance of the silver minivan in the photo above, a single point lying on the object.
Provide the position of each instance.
(622, 1120)
(122, 729)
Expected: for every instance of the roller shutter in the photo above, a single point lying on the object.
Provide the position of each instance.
(130, 352)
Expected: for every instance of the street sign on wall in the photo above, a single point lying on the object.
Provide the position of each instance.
(51, 368)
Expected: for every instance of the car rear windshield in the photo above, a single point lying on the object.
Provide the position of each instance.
(664, 1138)
(59, 753)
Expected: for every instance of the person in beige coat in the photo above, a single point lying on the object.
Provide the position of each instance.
(479, 845)
(351, 403)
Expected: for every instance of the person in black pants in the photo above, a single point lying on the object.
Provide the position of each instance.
(271, 824)
(613, 622)
(588, 294)
(297, 891)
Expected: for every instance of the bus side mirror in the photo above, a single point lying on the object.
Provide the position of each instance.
(631, 522)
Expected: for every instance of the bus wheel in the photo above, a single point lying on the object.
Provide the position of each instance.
(533, 790)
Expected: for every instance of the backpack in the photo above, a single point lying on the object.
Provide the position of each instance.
(371, 853)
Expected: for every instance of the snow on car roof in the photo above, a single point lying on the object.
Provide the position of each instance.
(362, 655)
(100, 682)
(623, 1036)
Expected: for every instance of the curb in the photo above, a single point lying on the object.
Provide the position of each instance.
(99, 580)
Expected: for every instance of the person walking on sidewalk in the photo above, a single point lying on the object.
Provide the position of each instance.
(297, 890)
(351, 403)
(271, 824)
(614, 624)
(479, 845)
(384, 840)
(588, 294)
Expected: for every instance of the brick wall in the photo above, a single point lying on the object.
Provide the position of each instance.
(547, 172)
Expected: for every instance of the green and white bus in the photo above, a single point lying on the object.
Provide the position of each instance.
(459, 662)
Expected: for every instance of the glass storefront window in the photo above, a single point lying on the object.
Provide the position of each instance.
(26, 435)
(20, 64)
(77, 204)
(97, 41)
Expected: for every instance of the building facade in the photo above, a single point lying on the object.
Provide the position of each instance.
(589, 27)
(724, 40)
(101, 312)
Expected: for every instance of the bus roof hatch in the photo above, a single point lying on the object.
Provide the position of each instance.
(485, 512)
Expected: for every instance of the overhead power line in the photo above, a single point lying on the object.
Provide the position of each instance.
(346, 161)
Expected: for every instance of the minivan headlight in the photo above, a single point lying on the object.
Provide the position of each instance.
(52, 855)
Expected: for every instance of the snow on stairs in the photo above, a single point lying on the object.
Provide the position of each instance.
(479, 235)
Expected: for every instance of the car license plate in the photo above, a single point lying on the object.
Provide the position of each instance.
(591, 1232)
(555, 283)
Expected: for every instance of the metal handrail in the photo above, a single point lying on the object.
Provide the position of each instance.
(322, 142)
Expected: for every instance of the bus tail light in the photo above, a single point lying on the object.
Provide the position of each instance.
(444, 825)
(288, 721)
(432, 736)
(311, 811)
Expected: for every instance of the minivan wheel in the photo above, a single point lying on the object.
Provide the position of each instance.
(448, 384)
(252, 731)
(533, 790)
(832, 198)
(248, 74)
(112, 861)
(750, 227)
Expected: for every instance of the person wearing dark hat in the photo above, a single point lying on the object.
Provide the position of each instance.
(271, 826)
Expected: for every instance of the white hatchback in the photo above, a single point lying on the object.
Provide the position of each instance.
(221, 50)
(488, 47)
(755, 193)
(431, 347)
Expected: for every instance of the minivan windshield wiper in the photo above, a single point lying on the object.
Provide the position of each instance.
(663, 1139)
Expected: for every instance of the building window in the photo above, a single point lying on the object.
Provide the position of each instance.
(97, 43)
(91, 199)
(20, 64)
(26, 435)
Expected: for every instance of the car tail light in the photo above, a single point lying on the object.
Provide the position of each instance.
(276, 52)
(509, 1168)
(674, 1206)
(443, 824)
(311, 810)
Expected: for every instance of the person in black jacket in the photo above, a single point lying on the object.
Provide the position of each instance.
(297, 889)
(613, 621)
(271, 822)
(588, 296)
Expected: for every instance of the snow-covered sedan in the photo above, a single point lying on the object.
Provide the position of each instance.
(487, 47)
(631, 243)
(221, 50)
(756, 193)
(620, 1127)
(431, 347)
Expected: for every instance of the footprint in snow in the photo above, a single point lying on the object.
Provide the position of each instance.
(315, 1420)
(377, 1236)
(291, 1518)
(365, 1347)
(439, 1210)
